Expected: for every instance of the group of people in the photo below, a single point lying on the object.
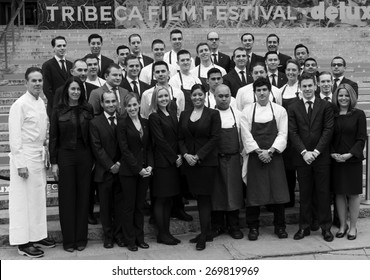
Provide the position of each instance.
(233, 131)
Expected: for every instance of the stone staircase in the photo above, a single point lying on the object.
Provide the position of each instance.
(33, 48)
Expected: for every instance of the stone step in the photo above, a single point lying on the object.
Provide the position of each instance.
(8, 88)
(4, 127)
(4, 147)
(4, 136)
(11, 94)
(7, 101)
(4, 159)
(51, 200)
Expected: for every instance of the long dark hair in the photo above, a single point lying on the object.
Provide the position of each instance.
(64, 100)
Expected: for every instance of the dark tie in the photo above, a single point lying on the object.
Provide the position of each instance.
(136, 90)
(327, 99)
(141, 64)
(335, 84)
(64, 69)
(248, 65)
(99, 70)
(244, 82)
(112, 124)
(309, 112)
(273, 80)
(215, 58)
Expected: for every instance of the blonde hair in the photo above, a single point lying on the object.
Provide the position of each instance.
(153, 108)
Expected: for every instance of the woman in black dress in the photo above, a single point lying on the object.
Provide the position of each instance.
(347, 152)
(71, 160)
(135, 169)
(163, 126)
(199, 130)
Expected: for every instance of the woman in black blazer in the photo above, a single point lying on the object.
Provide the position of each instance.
(163, 125)
(71, 160)
(135, 169)
(199, 129)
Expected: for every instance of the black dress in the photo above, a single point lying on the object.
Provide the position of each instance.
(349, 137)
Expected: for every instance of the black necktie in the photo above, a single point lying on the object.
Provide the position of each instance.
(99, 70)
(248, 63)
(136, 90)
(112, 124)
(64, 69)
(215, 58)
(327, 98)
(273, 80)
(335, 84)
(309, 112)
(244, 82)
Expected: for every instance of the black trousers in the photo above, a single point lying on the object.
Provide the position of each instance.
(73, 194)
(227, 220)
(314, 189)
(111, 205)
(134, 190)
(252, 214)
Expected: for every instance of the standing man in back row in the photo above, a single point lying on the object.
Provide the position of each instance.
(95, 44)
(27, 195)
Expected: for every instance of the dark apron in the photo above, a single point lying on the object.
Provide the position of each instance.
(228, 189)
(187, 93)
(289, 151)
(266, 182)
(203, 80)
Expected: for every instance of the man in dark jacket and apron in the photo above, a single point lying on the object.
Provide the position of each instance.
(264, 130)
(227, 197)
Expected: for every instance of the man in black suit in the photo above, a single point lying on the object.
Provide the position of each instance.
(55, 71)
(338, 67)
(272, 44)
(239, 76)
(134, 41)
(122, 52)
(105, 148)
(277, 78)
(301, 53)
(311, 124)
(217, 57)
(131, 82)
(95, 43)
(247, 42)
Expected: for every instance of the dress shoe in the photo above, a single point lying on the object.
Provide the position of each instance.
(281, 233)
(352, 237)
(45, 243)
(167, 240)
(30, 251)
(201, 243)
(80, 248)
(92, 220)
(69, 250)
(182, 215)
(301, 233)
(132, 248)
(209, 238)
(142, 245)
(328, 236)
(236, 233)
(253, 234)
(315, 225)
(108, 243)
(174, 238)
(340, 234)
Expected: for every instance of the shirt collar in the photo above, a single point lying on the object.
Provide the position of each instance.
(322, 96)
(59, 59)
(130, 80)
(108, 116)
(305, 100)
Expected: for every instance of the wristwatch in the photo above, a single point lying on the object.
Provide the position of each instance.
(269, 152)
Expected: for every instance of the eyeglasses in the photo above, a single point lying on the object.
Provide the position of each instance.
(337, 64)
(215, 78)
(213, 39)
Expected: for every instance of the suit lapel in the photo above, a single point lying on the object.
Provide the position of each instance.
(105, 123)
(59, 70)
(304, 111)
(316, 108)
(237, 78)
(202, 119)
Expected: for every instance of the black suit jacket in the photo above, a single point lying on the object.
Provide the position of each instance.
(312, 135)
(281, 79)
(283, 59)
(351, 83)
(126, 85)
(233, 81)
(53, 79)
(253, 60)
(105, 62)
(223, 61)
(164, 132)
(136, 152)
(104, 146)
(147, 60)
(204, 142)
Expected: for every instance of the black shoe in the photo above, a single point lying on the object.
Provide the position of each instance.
(328, 236)
(120, 242)
(301, 233)
(30, 251)
(142, 245)
(315, 225)
(182, 215)
(236, 233)
(209, 238)
(253, 234)
(45, 243)
(69, 250)
(174, 238)
(81, 247)
(281, 233)
(132, 248)
(167, 240)
(201, 243)
(92, 220)
(342, 234)
(108, 243)
(352, 237)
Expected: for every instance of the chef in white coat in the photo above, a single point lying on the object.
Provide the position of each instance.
(27, 194)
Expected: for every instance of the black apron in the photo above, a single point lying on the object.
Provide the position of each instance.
(187, 93)
(203, 80)
(228, 189)
(266, 182)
